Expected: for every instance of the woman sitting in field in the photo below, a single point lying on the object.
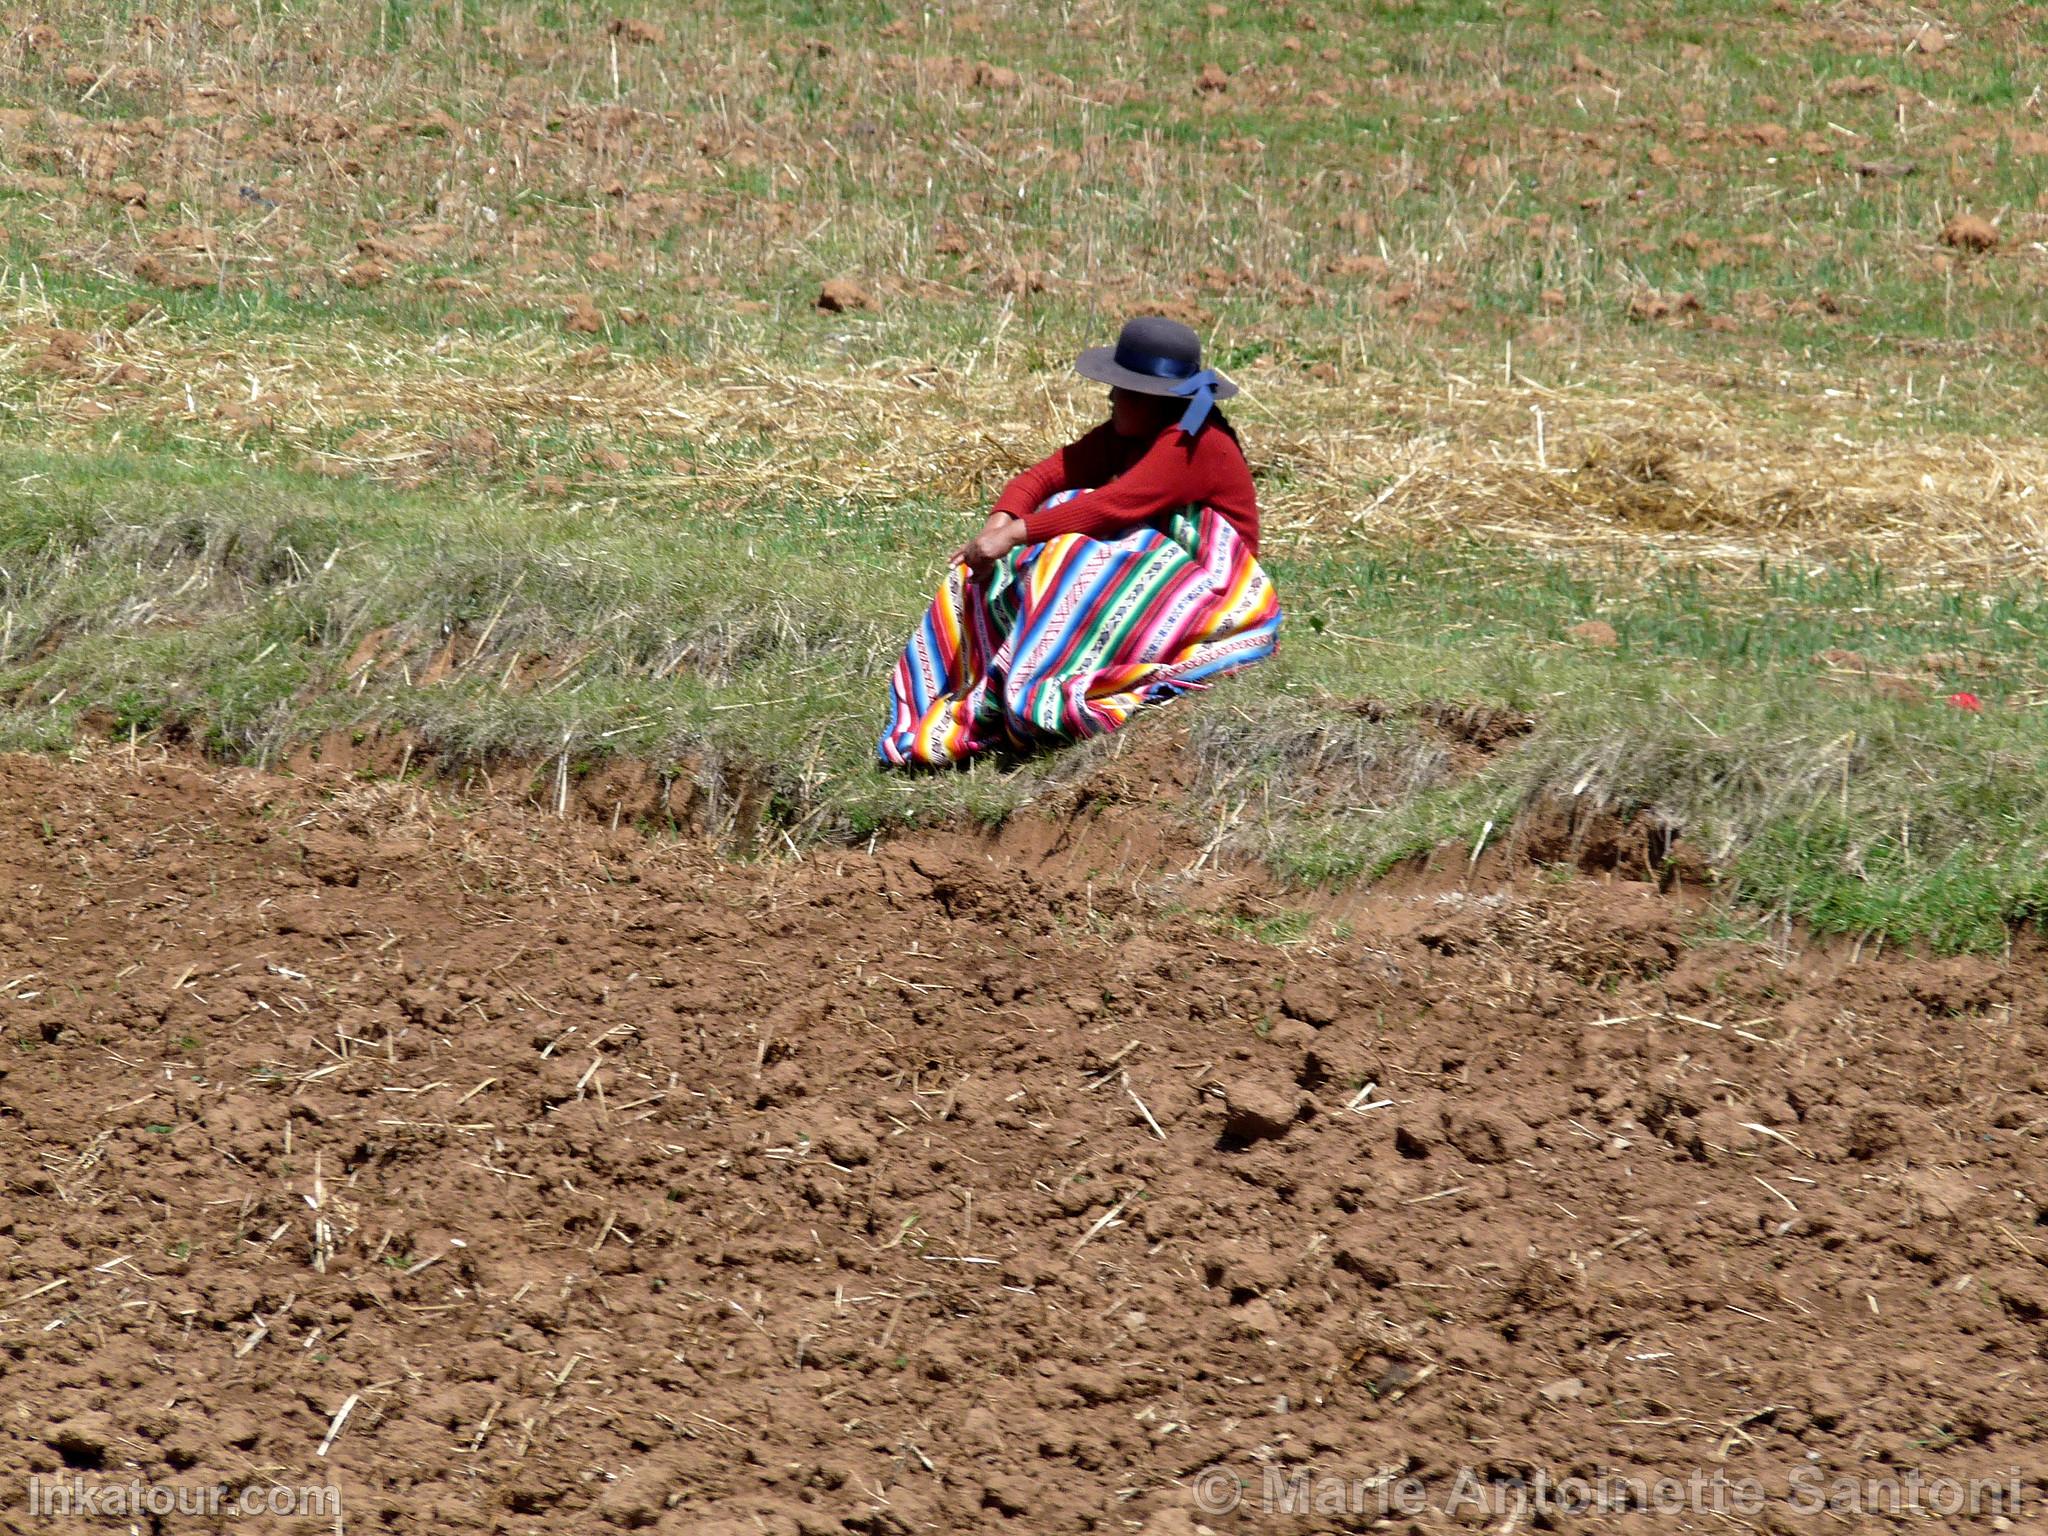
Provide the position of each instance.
(1121, 570)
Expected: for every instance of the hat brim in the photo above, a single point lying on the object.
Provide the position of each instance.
(1100, 364)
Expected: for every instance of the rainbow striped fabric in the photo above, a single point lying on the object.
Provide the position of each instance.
(1067, 638)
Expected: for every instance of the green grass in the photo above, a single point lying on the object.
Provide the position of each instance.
(224, 603)
(1381, 200)
(1491, 161)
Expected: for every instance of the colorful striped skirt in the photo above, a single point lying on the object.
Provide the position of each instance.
(1067, 638)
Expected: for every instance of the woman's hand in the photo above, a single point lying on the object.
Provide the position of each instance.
(960, 555)
(999, 535)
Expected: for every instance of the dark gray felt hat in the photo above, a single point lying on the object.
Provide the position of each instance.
(1153, 356)
(1157, 356)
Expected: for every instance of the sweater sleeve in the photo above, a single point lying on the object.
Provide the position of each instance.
(1174, 472)
(1081, 464)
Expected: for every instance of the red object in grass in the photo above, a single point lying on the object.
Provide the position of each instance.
(1968, 701)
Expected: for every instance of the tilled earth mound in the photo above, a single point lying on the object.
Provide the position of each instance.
(969, 1183)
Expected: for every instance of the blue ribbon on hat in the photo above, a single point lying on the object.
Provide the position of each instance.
(1201, 388)
(1198, 389)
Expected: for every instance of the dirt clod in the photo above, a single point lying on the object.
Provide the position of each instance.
(1487, 1136)
(83, 1440)
(634, 29)
(1366, 1249)
(1257, 1112)
(1651, 306)
(1597, 633)
(1968, 232)
(841, 295)
(1313, 1000)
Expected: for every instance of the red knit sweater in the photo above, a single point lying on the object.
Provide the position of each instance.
(1130, 480)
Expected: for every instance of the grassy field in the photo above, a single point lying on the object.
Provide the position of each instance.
(461, 368)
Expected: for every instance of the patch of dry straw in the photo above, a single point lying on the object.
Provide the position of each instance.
(1636, 460)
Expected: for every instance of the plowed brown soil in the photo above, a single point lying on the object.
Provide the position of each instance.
(974, 1183)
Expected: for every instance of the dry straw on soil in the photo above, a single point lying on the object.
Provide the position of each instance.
(1635, 461)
